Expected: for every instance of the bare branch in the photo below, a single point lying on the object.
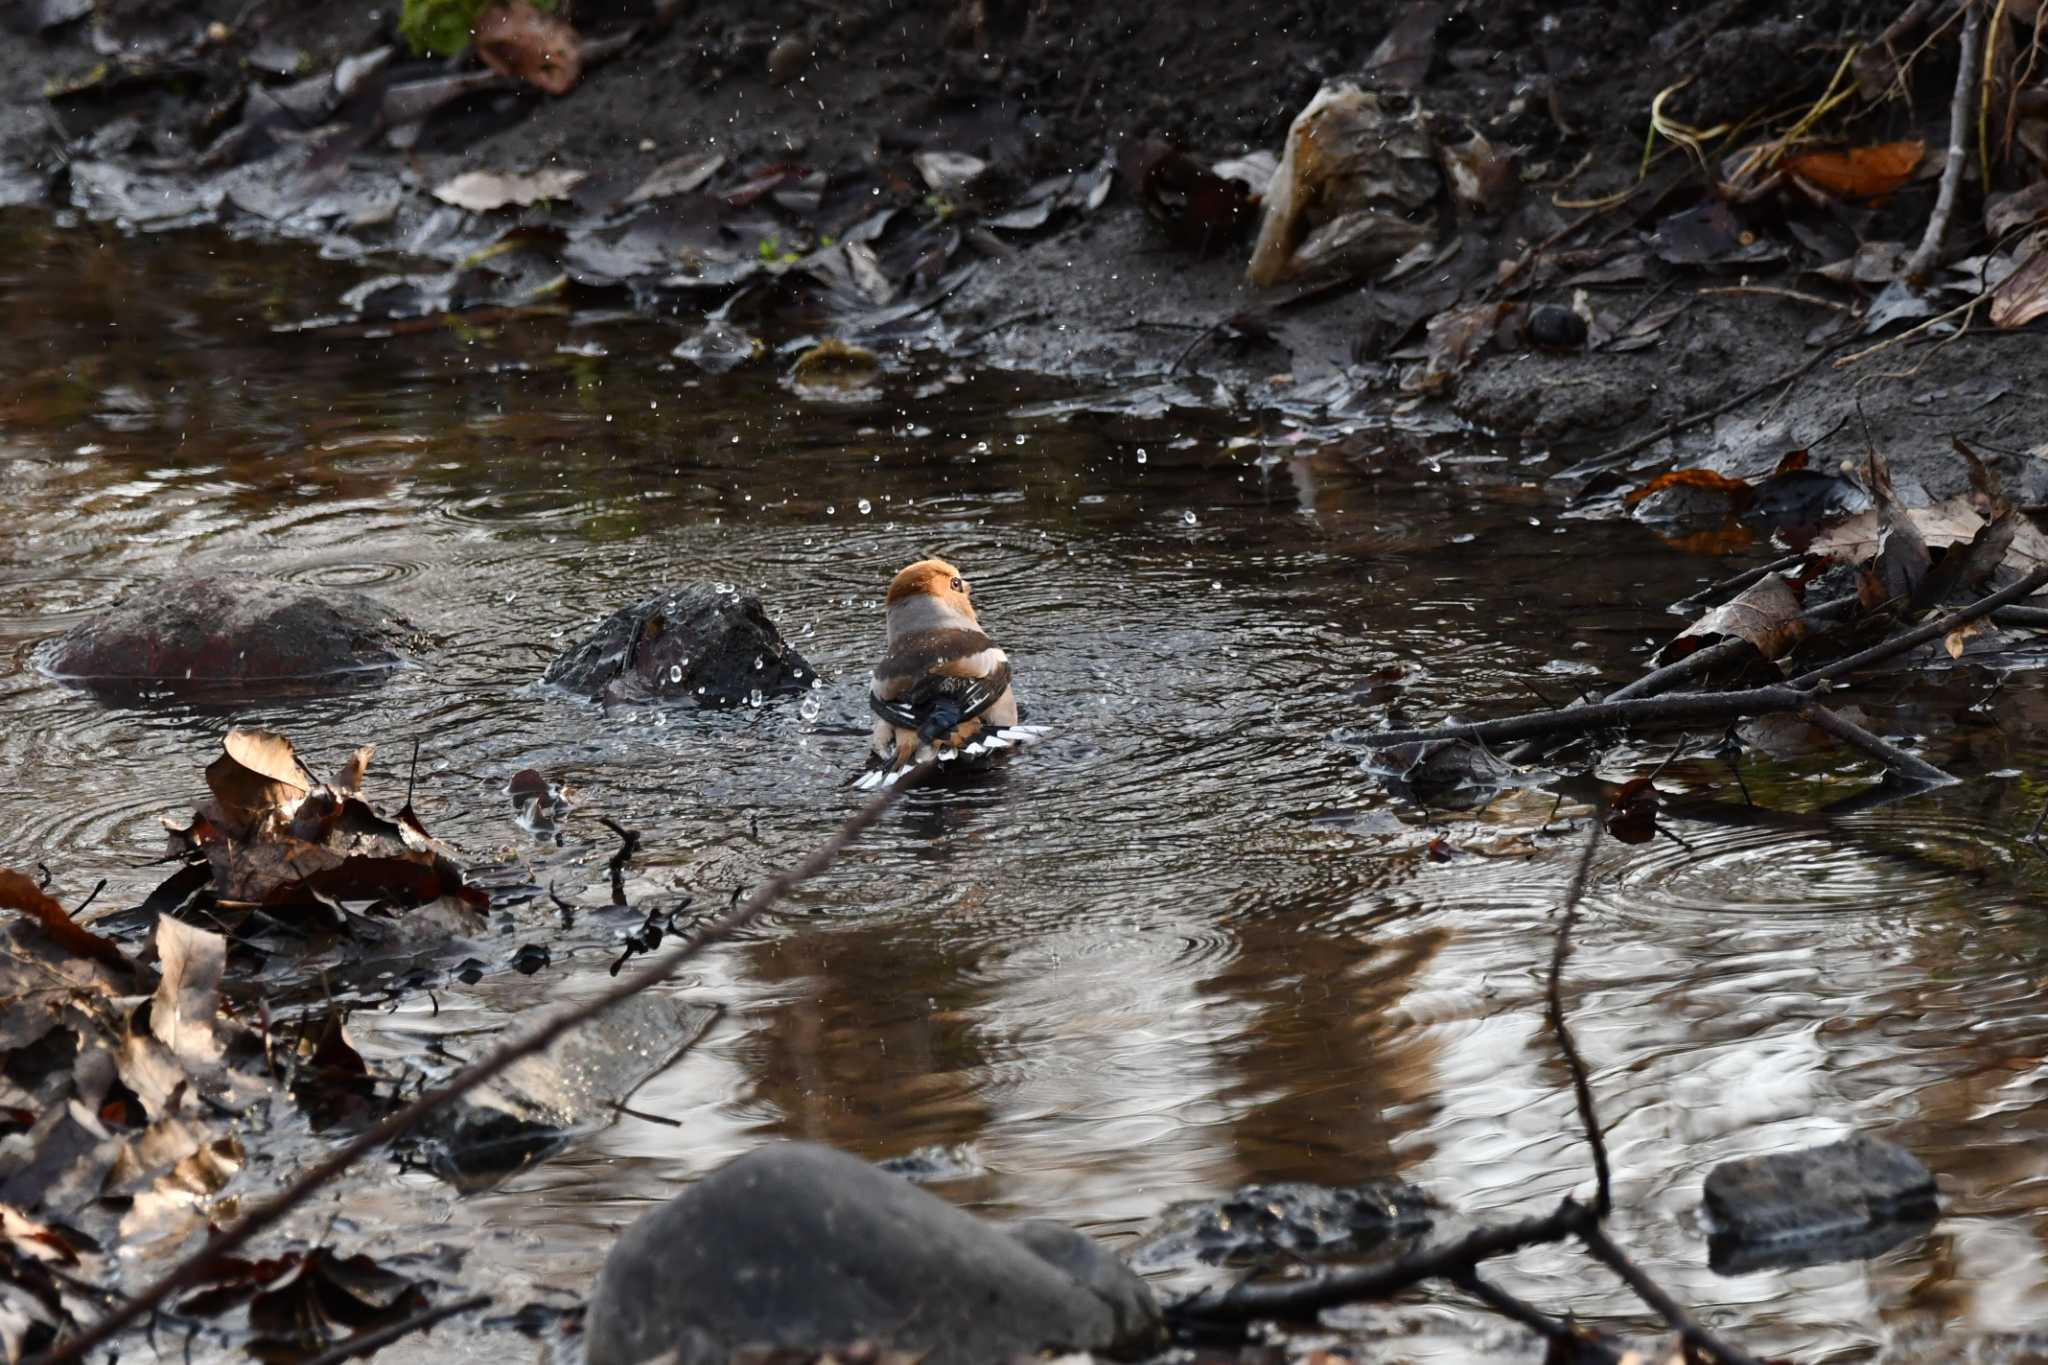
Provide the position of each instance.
(1927, 254)
(1582, 1087)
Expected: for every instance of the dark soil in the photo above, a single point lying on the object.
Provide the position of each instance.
(1039, 90)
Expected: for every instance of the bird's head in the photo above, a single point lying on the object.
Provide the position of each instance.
(934, 580)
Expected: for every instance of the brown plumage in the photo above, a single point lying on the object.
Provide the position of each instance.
(943, 686)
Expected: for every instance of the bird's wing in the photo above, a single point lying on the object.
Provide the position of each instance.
(935, 681)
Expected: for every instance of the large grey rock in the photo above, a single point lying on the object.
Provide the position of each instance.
(1844, 1201)
(799, 1245)
(698, 642)
(230, 632)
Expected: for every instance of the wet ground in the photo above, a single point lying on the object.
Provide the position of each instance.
(1186, 944)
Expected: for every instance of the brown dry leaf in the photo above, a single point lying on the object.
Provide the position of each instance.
(1766, 614)
(1196, 208)
(187, 1000)
(1455, 337)
(1739, 493)
(355, 770)
(519, 41)
(1856, 539)
(1960, 637)
(257, 776)
(34, 1240)
(1632, 812)
(17, 892)
(2023, 295)
(1860, 172)
(2007, 213)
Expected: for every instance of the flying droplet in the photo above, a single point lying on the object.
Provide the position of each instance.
(1141, 454)
(866, 507)
(1187, 518)
(675, 673)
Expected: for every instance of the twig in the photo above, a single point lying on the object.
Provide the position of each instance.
(1686, 706)
(1696, 1336)
(1779, 293)
(629, 841)
(1923, 258)
(1582, 1088)
(268, 1213)
(1920, 635)
(2032, 617)
(1726, 588)
(1609, 459)
(1304, 1298)
(1849, 732)
(1701, 660)
(1967, 306)
(369, 1343)
(1571, 1342)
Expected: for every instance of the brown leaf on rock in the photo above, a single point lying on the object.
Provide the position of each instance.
(17, 892)
(518, 41)
(1739, 493)
(355, 770)
(1860, 172)
(1767, 614)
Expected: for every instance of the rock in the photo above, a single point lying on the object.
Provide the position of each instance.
(541, 1103)
(1845, 1201)
(695, 642)
(1286, 1221)
(799, 1245)
(230, 633)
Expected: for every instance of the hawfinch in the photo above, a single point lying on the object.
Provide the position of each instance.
(944, 689)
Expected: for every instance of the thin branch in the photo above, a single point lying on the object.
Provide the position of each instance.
(1696, 1336)
(629, 842)
(369, 1343)
(1716, 593)
(1573, 1343)
(1600, 715)
(1735, 647)
(1609, 459)
(1582, 1088)
(1925, 255)
(268, 1213)
(1912, 767)
(1920, 635)
(1303, 1299)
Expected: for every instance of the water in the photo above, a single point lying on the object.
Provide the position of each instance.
(1187, 943)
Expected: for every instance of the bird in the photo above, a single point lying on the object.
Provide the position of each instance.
(942, 689)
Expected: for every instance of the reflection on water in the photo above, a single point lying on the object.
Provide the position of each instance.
(1185, 944)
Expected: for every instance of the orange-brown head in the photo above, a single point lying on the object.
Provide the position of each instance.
(933, 578)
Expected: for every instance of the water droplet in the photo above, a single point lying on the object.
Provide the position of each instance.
(830, 510)
(758, 661)
(1187, 518)
(810, 708)
(866, 507)
(675, 673)
(754, 698)
(1141, 454)
(1215, 585)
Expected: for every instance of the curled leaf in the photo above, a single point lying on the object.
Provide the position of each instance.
(518, 41)
(17, 892)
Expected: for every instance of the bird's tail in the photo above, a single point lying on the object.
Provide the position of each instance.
(884, 772)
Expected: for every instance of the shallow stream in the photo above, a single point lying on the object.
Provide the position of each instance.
(1186, 944)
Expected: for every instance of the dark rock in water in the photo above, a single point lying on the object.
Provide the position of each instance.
(231, 634)
(1841, 1202)
(798, 1245)
(1285, 1221)
(930, 1165)
(691, 642)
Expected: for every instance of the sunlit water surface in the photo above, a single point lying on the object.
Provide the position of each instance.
(1187, 943)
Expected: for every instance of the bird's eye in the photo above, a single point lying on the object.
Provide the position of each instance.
(958, 586)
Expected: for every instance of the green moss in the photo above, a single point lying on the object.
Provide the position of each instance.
(442, 28)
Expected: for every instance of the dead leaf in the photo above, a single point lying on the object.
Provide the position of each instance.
(2008, 213)
(1956, 640)
(257, 775)
(519, 41)
(680, 176)
(483, 191)
(355, 770)
(1739, 493)
(1632, 812)
(17, 892)
(2023, 295)
(187, 999)
(1767, 614)
(1454, 338)
(1860, 172)
(947, 172)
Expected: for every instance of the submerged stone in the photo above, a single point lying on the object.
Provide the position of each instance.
(231, 633)
(696, 642)
(1841, 1202)
(1286, 1221)
(801, 1246)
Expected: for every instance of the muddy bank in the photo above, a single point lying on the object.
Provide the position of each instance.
(962, 177)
